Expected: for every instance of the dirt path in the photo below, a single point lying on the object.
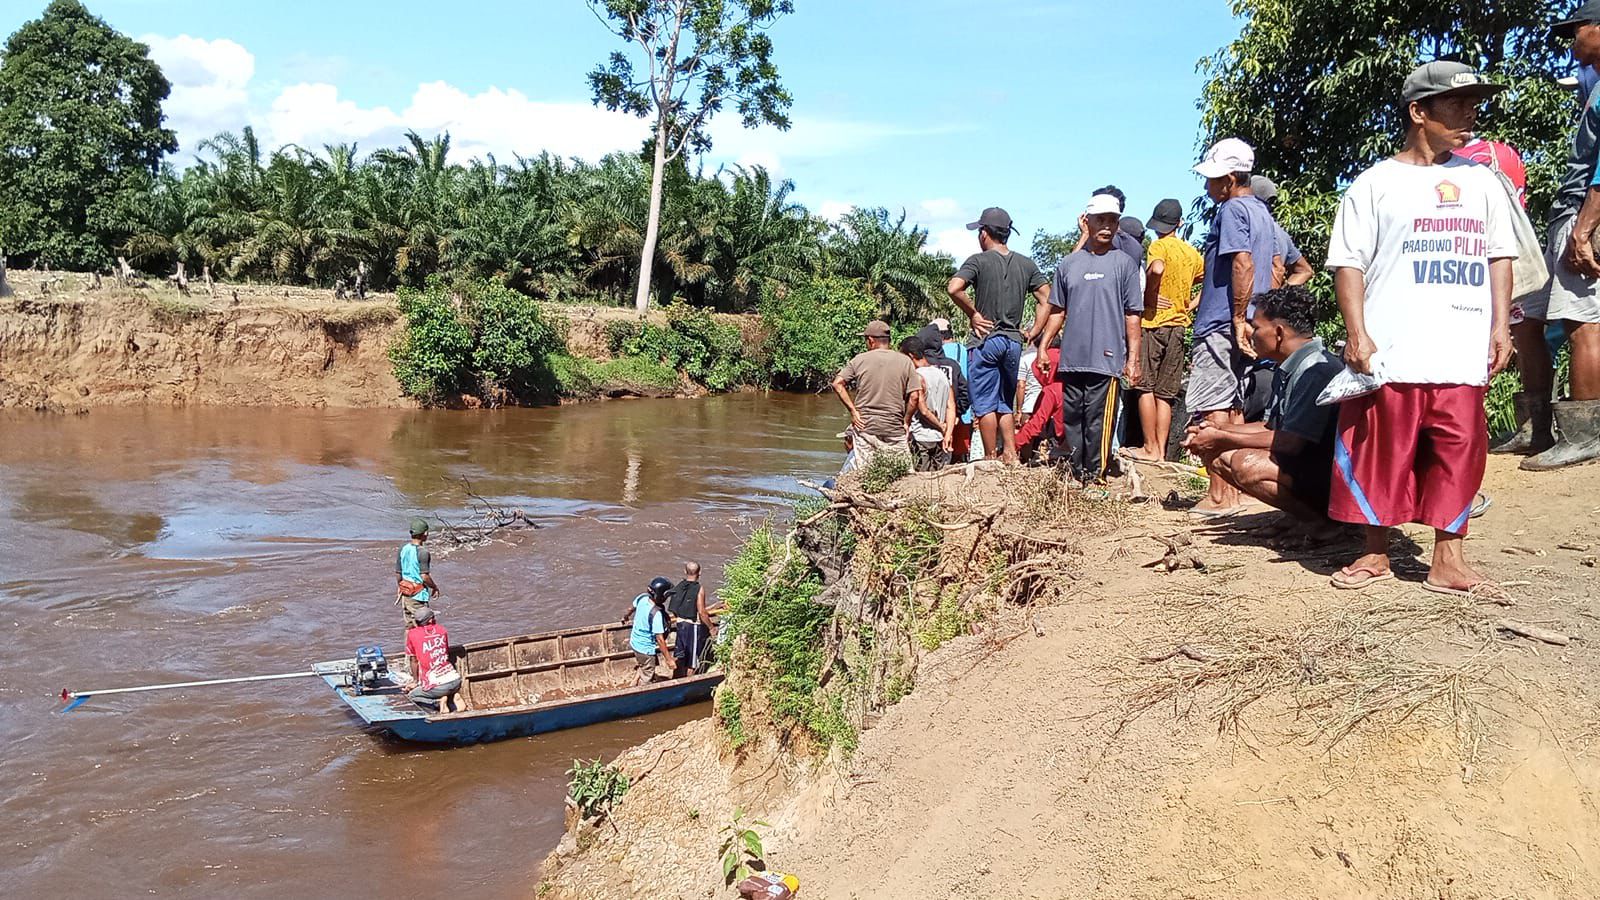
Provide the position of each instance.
(1014, 770)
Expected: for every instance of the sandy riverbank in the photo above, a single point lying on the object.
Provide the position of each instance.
(66, 346)
(1242, 731)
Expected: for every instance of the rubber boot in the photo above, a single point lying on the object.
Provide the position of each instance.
(1533, 434)
(1579, 423)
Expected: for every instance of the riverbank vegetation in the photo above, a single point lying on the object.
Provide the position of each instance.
(828, 623)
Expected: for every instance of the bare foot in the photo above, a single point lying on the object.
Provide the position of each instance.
(1452, 574)
(1144, 454)
(1371, 562)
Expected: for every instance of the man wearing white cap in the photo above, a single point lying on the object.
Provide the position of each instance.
(1097, 294)
(1238, 265)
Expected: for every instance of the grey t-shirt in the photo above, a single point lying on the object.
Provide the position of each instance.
(1295, 386)
(1098, 291)
(1002, 282)
(1579, 173)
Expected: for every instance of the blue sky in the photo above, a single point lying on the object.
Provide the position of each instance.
(937, 107)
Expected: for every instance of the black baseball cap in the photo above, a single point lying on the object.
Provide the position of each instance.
(1585, 14)
(1165, 219)
(1132, 227)
(996, 219)
(1443, 76)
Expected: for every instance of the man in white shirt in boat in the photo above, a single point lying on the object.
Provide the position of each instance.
(428, 650)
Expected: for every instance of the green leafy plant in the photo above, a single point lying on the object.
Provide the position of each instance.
(885, 469)
(730, 713)
(595, 786)
(513, 340)
(741, 846)
(774, 628)
(433, 355)
(81, 123)
(692, 341)
(477, 335)
(814, 330)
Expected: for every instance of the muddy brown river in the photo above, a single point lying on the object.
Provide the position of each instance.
(144, 546)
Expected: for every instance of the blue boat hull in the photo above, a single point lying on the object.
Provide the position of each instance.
(390, 710)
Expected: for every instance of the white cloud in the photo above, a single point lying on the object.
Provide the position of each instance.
(210, 84)
(501, 122)
(212, 91)
(956, 241)
(833, 210)
(941, 208)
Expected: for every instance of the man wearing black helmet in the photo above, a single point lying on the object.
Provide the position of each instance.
(649, 637)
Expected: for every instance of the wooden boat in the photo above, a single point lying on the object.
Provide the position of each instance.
(522, 685)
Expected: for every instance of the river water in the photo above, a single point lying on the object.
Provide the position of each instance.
(143, 546)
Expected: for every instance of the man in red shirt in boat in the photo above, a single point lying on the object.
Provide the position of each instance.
(428, 649)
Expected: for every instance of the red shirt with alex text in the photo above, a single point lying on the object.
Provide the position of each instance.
(429, 645)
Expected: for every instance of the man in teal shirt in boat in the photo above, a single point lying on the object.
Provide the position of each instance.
(649, 636)
(417, 587)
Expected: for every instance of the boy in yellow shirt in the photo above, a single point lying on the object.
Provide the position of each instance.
(1174, 269)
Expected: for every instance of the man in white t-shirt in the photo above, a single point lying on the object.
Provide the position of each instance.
(1421, 255)
(933, 417)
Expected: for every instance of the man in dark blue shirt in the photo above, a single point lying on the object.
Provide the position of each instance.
(1286, 461)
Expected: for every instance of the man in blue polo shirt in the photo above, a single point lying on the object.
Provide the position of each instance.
(1238, 255)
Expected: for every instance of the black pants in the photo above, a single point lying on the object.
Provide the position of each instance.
(1089, 411)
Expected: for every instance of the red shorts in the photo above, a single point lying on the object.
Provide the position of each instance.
(961, 442)
(1410, 453)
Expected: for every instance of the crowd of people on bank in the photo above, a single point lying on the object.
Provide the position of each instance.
(1438, 275)
(1440, 281)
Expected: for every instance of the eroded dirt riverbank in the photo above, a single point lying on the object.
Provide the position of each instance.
(69, 347)
(1243, 731)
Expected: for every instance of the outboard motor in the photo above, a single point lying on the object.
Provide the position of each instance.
(372, 670)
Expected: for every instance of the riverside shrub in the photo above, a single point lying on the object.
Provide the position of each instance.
(692, 342)
(814, 330)
(474, 335)
(775, 630)
(433, 355)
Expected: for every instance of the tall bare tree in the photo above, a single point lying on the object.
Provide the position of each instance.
(695, 57)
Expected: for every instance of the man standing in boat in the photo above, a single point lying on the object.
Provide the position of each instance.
(417, 587)
(428, 648)
(649, 637)
(691, 620)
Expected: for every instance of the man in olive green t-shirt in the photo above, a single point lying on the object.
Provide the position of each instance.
(886, 386)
